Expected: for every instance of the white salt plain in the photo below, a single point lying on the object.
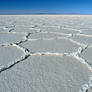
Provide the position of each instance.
(45, 53)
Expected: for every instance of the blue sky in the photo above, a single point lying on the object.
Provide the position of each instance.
(46, 6)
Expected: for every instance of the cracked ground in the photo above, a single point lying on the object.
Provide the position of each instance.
(45, 53)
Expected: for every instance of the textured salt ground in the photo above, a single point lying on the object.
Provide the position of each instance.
(9, 54)
(87, 55)
(2, 29)
(45, 74)
(82, 39)
(86, 31)
(45, 35)
(26, 29)
(39, 33)
(10, 38)
(58, 29)
(41, 20)
(59, 45)
(89, 90)
(68, 31)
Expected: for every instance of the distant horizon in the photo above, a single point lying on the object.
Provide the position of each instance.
(40, 13)
(45, 14)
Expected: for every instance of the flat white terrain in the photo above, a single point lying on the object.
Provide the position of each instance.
(45, 53)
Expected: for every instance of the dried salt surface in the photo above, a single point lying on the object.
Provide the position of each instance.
(45, 35)
(45, 74)
(50, 45)
(83, 39)
(25, 29)
(89, 90)
(9, 54)
(87, 31)
(58, 29)
(50, 28)
(4, 29)
(10, 38)
(45, 53)
(68, 31)
(87, 55)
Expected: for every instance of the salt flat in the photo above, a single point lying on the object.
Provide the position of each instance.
(45, 53)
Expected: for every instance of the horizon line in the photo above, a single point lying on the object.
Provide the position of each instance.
(45, 13)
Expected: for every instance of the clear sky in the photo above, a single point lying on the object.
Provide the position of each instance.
(46, 6)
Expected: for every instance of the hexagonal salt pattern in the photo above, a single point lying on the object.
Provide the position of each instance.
(45, 74)
(56, 45)
(45, 35)
(47, 69)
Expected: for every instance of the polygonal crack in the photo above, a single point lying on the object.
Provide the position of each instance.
(45, 74)
(9, 54)
(6, 38)
(56, 45)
